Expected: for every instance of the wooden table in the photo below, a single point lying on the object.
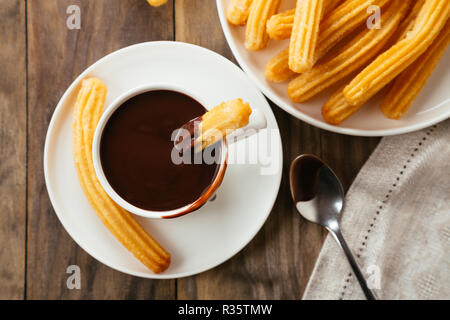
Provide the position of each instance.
(40, 57)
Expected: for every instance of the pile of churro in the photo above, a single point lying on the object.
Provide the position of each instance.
(337, 43)
(88, 110)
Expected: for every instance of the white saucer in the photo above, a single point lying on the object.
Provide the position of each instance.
(432, 105)
(200, 240)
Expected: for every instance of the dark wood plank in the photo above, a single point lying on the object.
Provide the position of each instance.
(197, 22)
(56, 56)
(278, 262)
(346, 154)
(12, 149)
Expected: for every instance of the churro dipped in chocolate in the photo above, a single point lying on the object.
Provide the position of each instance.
(214, 125)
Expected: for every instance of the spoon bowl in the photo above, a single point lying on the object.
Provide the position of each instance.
(316, 190)
(319, 197)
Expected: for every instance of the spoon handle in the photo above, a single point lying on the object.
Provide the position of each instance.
(336, 232)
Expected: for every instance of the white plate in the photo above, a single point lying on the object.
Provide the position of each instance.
(200, 240)
(431, 107)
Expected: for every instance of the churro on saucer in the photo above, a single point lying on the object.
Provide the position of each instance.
(88, 110)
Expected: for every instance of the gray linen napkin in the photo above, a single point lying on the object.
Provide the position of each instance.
(396, 221)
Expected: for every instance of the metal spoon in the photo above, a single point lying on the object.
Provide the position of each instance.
(319, 197)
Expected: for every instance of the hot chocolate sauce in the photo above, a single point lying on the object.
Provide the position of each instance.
(304, 177)
(136, 148)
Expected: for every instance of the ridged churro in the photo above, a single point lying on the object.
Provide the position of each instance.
(88, 110)
(330, 5)
(277, 70)
(156, 3)
(336, 26)
(279, 26)
(409, 83)
(342, 21)
(238, 11)
(337, 109)
(222, 120)
(347, 16)
(407, 24)
(430, 21)
(350, 58)
(305, 34)
(256, 36)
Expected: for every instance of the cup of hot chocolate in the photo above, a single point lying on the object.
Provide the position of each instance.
(133, 152)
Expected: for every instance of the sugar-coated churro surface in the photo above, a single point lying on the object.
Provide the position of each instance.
(342, 43)
(88, 110)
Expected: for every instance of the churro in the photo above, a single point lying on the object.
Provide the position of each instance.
(330, 5)
(345, 17)
(430, 21)
(238, 11)
(305, 32)
(407, 24)
(156, 3)
(409, 83)
(221, 121)
(277, 70)
(337, 109)
(336, 26)
(343, 21)
(279, 26)
(350, 58)
(88, 110)
(256, 36)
